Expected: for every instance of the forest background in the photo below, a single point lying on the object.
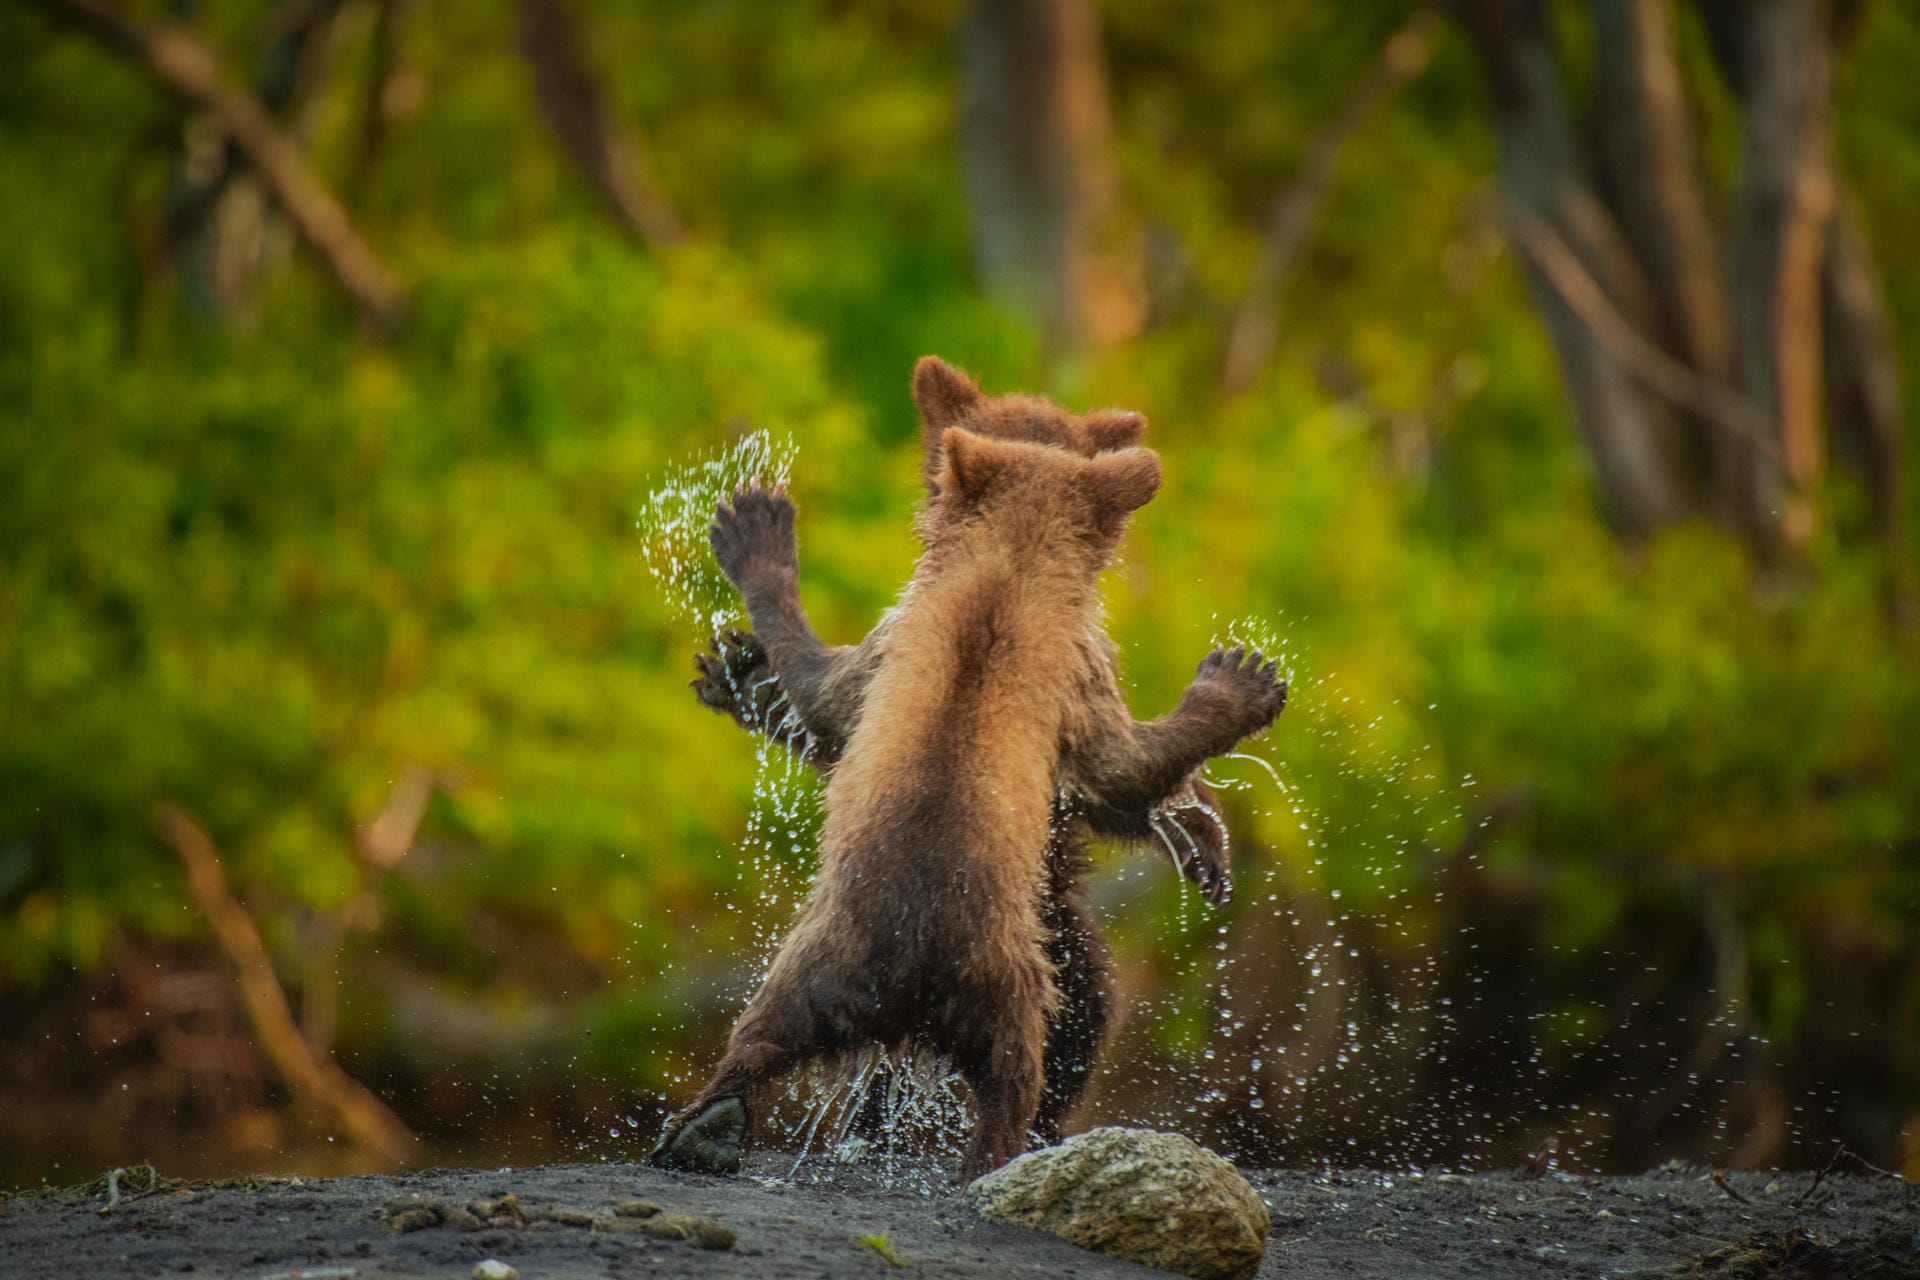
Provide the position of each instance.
(1531, 372)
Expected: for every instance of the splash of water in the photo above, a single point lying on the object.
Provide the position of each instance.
(1308, 1004)
(904, 1115)
(673, 523)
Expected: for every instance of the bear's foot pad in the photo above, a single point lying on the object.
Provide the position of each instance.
(712, 1142)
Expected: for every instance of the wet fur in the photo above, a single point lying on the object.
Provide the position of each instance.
(943, 913)
(738, 678)
(735, 677)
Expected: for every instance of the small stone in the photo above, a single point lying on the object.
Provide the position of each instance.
(636, 1208)
(414, 1219)
(702, 1233)
(665, 1226)
(409, 1200)
(1149, 1197)
(504, 1208)
(464, 1220)
(568, 1217)
(494, 1269)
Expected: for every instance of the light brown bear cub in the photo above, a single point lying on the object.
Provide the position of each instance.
(924, 923)
(812, 707)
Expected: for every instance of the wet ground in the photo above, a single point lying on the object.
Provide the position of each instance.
(565, 1220)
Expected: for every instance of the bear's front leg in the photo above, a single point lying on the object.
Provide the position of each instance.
(737, 679)
(1235, 694)
(753, 541)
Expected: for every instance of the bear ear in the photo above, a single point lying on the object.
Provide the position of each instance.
(944, 395)
(1114, 429)
(970, 463)
(1123, 481)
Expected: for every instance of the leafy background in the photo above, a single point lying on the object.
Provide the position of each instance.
(1625, 839)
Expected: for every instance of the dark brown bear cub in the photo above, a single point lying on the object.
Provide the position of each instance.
(923, 927)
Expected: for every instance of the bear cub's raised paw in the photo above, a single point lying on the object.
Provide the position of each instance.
(1250, 679)
(755, 534)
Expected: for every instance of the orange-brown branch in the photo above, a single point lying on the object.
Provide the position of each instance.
(1250, 337)
(189, 70)
(309, 1074)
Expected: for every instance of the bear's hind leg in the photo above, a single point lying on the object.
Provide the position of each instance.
(1000, 1058)
(1079, 1028)
(1005, 1096)
(777, 1032)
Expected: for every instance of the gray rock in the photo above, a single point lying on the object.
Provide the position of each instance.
(568, 1217)
(1156, 1198)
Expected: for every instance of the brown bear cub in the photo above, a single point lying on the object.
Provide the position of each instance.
(738, 679)
(924, 926)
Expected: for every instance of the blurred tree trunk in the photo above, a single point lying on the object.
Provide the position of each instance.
(1710, 399)
(1779, 252)
(221, 222)
(1853, 327)
(609, 157)
(1548, 178)
(1650, 167)
(1036, 143)
(1863, 372)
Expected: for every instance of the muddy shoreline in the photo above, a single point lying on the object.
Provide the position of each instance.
(1325, 1224)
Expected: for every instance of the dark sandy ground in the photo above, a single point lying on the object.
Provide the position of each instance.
(1353, 1224)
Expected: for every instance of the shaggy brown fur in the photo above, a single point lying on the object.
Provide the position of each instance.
(925, 924)
(738, 679)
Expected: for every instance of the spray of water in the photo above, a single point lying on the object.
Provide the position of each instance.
(1307, 1003)
(673, 524)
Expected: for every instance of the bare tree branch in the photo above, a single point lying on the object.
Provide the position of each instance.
(610, 158)
(310, 1075)
(381, 844)
(385, 840)
(188, 69)
(1711, 400)
(1295, 209)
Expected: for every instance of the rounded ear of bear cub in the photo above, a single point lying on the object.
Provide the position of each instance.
(1119, 482)
(969, 465)
(1114, 428)
(948, 397)
(1124, 480)
(942, 393)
